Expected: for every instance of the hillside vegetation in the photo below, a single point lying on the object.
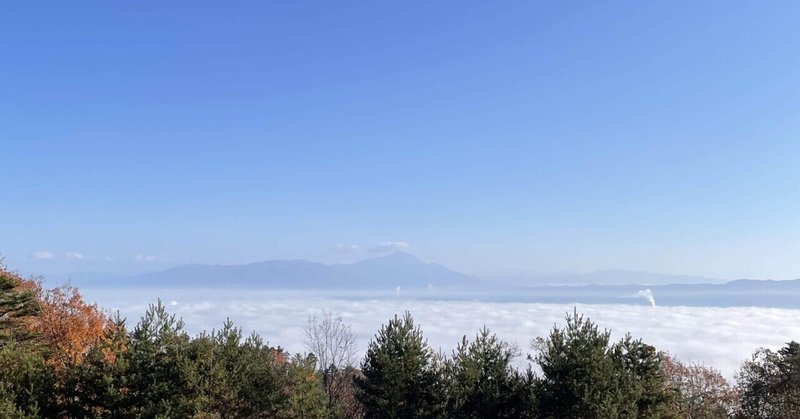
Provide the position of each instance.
(63, 358)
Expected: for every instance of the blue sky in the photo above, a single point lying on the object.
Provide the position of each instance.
(495, 138)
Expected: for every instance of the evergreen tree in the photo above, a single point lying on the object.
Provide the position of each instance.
(770, 383)
(97, 387)
(399, 379)
(228, 378)
(305, 391)
(18, 305)
(643, 378)
(260, 392)
(157, 384)
(212, 366)
(580, 377)
(25, 382)
(483, 383)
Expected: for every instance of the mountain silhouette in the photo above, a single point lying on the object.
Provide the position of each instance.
(387, 272)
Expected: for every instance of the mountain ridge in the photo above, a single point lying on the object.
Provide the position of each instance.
(385, 272)
(408, 272)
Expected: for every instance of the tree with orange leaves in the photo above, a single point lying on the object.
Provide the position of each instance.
(67, 325)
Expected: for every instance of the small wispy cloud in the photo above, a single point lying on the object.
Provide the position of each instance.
(392, 246)
(73, 256)
(145, 258)
(48, 255)
(42, 255)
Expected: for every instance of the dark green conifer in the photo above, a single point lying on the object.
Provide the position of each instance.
(484, 384)
(399, 378)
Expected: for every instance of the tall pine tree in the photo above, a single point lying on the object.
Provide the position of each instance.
(484, 384)
(399, 377)
(585, 376)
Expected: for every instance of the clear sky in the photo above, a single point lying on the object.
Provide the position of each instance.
(493, 137)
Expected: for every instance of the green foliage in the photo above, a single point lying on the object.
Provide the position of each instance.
(16, 305)
(229, 378)
(399, 378)
(644, 379)
(157, 384)
(306, 394)
(98, 386)
(25, 381)
(585, 377)
(483, 382)
(261, 378)
(770, 383)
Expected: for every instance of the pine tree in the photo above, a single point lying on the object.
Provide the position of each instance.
(483, 383)
(643, 378)
(228, 378)
(399, 379)
(18, 307)
(305, 391)
(25, 382)
(580, 378)
(261, 379)
(157, 383)
(770, 383)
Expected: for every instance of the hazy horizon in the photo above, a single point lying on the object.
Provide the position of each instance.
(52, 269)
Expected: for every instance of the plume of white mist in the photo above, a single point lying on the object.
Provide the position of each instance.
(647, 295)
(397, 291)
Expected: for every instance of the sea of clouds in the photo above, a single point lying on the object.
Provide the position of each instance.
(718, 337)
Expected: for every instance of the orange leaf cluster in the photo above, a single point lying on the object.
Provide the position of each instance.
(69, 326)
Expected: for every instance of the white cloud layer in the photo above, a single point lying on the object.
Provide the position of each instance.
(387, 247)
(719, 337)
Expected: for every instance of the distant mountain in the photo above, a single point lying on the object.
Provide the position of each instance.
(388, 272)
(609, 277)
(417, 279)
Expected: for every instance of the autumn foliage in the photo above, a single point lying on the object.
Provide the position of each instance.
(704, 392)
(67, 325)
